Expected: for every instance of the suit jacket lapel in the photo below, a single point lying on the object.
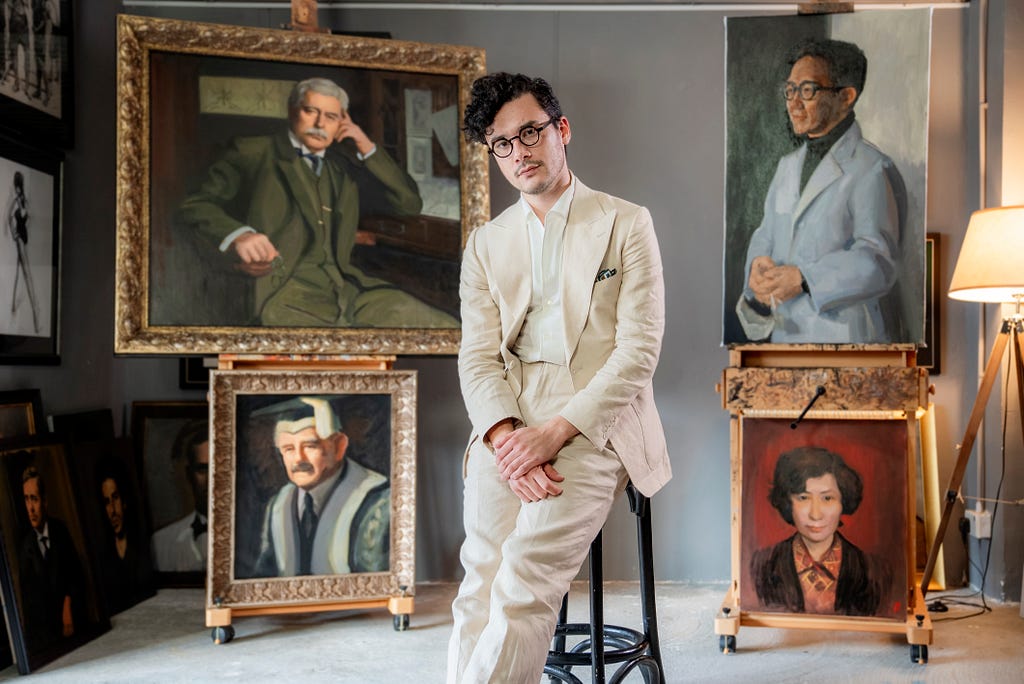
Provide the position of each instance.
(829, 170)
(297, 181)
(513, 268)
(587, 232)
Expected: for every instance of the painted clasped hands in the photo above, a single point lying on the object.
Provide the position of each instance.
(772, 284)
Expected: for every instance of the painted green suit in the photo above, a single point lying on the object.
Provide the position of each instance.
(261, 182)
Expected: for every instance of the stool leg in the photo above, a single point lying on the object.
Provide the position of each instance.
(641, 506)
(597, 611)
(559, 641)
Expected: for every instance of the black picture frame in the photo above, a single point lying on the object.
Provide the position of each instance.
(167, 485)
(50, 114)
(29, 598)
(95, 425)
(30, 233)
(929, 355)
(21, 413)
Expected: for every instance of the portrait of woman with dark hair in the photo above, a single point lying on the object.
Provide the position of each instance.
(817, 570)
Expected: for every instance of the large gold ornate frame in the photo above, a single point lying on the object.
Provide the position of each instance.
(138, 39)
(223, 589)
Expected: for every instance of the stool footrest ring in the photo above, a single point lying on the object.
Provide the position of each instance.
(626, 644)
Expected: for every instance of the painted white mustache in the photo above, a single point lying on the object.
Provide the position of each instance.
(318, 132)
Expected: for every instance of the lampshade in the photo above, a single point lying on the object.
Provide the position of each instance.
(990, 267)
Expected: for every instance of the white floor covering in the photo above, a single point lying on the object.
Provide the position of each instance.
(164, 640)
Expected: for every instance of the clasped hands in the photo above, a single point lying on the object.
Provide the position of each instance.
(524, 456)
(772, 284)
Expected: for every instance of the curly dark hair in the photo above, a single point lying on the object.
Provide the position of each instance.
(491, 92)
(796, 466)
(847, 65)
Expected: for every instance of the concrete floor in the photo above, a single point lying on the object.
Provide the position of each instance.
(164, 640)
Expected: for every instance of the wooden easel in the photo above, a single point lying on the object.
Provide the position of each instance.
(219, 616)
(785, 381)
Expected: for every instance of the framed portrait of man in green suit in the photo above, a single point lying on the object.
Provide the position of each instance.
(282, 191)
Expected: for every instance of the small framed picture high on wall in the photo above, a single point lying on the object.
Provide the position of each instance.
(36, 81)
(30, 193)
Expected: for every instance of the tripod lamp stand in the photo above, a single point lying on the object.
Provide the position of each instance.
(989, 269)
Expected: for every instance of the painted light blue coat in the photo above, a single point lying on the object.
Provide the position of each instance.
(843, 233)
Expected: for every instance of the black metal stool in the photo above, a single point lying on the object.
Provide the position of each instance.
(610, 644)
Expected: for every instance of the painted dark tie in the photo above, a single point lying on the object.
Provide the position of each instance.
(307, 530)
(46, 545)
(314, 160)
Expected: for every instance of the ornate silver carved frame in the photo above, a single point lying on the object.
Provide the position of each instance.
(224, 590)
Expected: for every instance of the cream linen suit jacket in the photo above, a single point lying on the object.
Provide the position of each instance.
(613, 301)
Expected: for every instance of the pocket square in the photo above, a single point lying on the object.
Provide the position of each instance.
(604, 274)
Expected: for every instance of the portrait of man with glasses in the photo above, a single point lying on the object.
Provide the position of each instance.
(823, 264)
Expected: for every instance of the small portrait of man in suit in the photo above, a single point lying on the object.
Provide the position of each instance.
(124, 560)
(282, 210)
(333, 516)
(181, 546)
(52, 582)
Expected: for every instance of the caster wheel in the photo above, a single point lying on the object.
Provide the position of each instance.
(401, 622)
(222, 635)
(919, 653)
(727, 643)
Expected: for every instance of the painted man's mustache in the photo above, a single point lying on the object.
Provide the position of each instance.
(303, 467)
(318, 132)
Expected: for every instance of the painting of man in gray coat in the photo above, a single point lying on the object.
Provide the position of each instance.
(830, 249)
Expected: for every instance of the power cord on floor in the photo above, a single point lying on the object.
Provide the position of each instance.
(939, 605)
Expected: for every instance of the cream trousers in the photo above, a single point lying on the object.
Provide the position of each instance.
(520, 557)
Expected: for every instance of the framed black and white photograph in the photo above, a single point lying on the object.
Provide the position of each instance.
(55, 604)
(209, 102)
(30, 192)
(172, 458)
(312, 484)
(36, 83)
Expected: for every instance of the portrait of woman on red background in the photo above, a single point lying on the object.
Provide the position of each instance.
(824, 517)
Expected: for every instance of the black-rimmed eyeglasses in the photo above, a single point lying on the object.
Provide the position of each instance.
(528, 136)
(808, 90)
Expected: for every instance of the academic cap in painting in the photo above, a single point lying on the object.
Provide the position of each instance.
(299, 413)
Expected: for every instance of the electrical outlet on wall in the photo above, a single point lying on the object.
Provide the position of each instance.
(981, 524)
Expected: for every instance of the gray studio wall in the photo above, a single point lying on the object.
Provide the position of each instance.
(645, 94)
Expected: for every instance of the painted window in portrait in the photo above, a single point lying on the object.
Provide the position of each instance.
(30, 194)
(52, 602)
(313, 479)
(826, 127)
(36, 79)
(318, 183)
(172, 459)
(824, 519)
